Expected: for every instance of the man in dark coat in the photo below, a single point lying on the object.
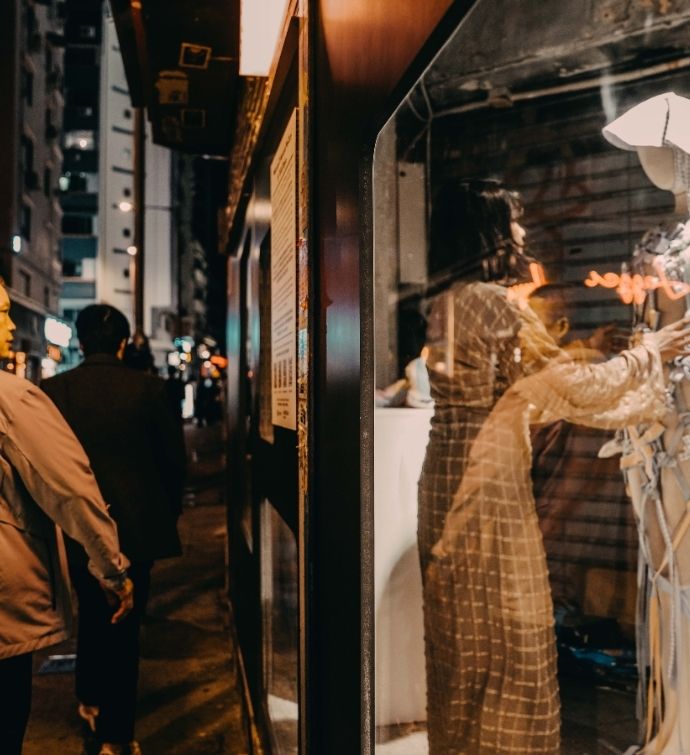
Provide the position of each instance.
(136, 450)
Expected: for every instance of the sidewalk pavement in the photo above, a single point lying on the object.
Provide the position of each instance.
(189, 699)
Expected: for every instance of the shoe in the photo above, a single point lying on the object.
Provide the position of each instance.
(109, 748)
(89, 713)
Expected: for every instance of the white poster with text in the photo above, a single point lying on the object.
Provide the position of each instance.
(284, 279)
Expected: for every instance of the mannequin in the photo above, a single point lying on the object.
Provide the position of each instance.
(656, 459)
(658, 165)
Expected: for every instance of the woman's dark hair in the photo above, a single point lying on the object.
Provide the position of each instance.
(101, 329)
(471, 229)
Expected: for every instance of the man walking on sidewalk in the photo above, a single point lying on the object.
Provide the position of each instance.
(136, 449)
(44, 480)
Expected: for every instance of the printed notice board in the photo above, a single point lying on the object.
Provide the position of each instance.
(284, 279)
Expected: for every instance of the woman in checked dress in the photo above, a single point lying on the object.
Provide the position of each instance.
(489, 638)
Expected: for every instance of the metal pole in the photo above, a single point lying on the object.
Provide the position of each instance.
(139, 215)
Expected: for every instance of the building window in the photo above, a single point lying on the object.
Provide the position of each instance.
(80, 56)
(87, 31)
(71, 268)
(47, 182)
(31, 24)
(26, 222)
(33, 32)
(79, 225)
(27, 154)
(81, 139)
(51, 129)
(46, 297)
(25, 283)
(28, 86)
(127, 192)
(126, 232)
(127, 113)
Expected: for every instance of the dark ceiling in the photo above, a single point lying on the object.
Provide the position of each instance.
(182, 60)
(495, 59)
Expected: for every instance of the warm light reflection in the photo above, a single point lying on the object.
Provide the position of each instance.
(634, 288)
(260, 24)
(519, 293)
(125, 206)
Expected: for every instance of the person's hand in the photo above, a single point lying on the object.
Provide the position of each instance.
(672, 340)
(609, 339)
(123, 599)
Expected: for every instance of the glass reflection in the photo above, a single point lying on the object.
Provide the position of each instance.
(506, 545)
(280, 620)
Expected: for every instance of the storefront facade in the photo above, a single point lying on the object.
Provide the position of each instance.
(391, 104)
(298, 532)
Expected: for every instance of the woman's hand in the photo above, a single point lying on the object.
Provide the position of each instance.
(673, 340)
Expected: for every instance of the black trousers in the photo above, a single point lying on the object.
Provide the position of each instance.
(107, 668)
(15, 692)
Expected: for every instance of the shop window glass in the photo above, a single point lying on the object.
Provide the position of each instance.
(521, 256)
(281, 628)
(277, 547)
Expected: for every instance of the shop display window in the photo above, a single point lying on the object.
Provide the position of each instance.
(531, 458)
(280, 629)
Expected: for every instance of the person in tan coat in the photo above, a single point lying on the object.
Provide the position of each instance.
(45, 480)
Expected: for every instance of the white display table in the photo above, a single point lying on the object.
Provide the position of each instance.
(400, 439)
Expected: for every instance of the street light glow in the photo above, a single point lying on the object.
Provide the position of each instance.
(132, 250)
(57, 332)
(125, 206)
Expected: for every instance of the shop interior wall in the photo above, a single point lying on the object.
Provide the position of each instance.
(363, 50)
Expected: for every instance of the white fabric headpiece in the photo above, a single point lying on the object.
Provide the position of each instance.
(661, 121)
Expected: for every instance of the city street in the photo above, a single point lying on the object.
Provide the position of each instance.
(189, 699)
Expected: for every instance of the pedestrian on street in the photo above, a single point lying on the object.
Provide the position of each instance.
(45, 480)
(136, 449)
(174, 388)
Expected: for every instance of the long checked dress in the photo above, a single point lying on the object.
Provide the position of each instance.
(489, 639)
